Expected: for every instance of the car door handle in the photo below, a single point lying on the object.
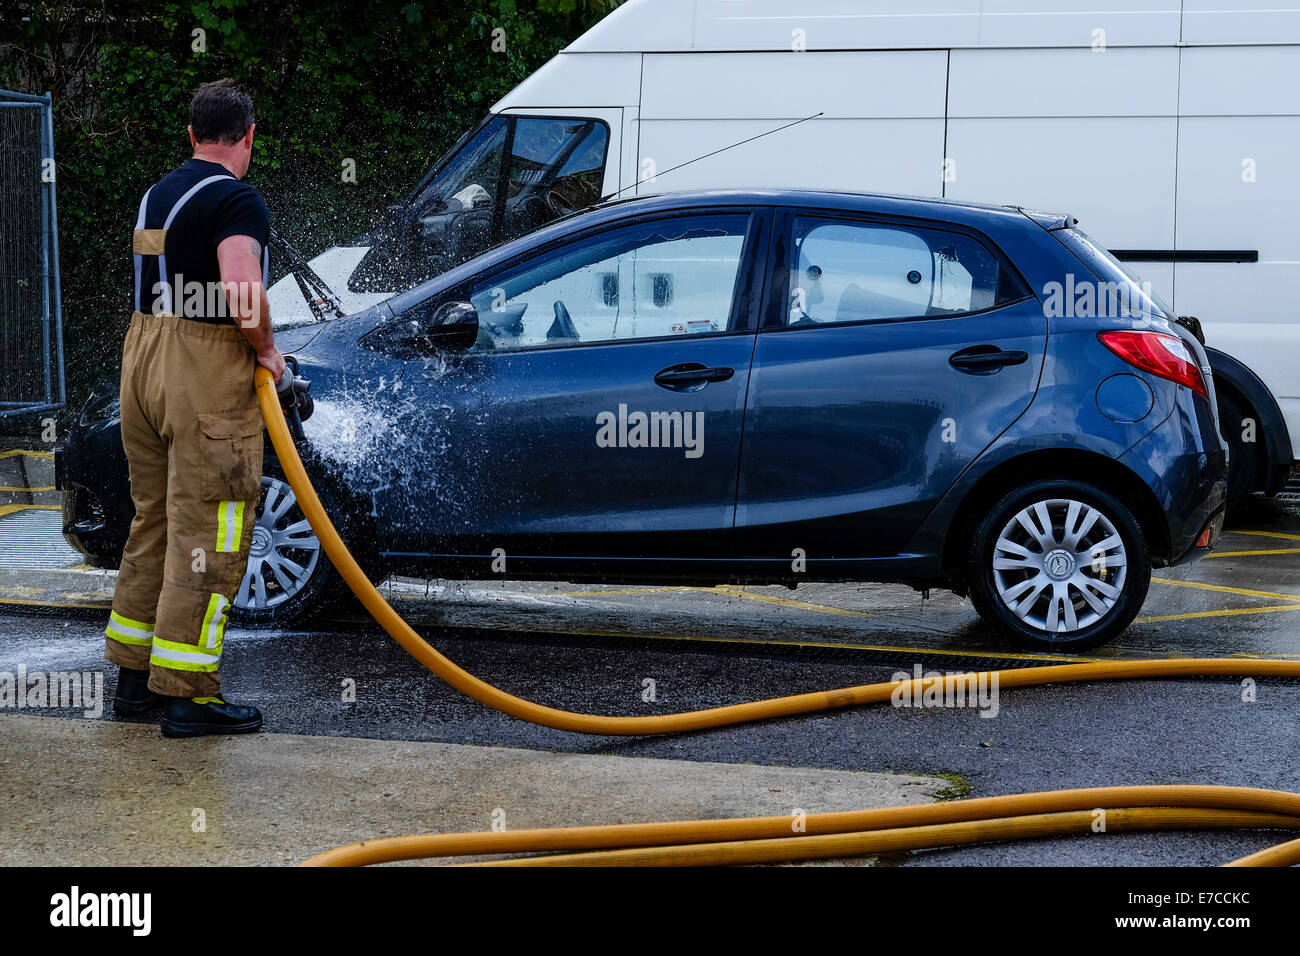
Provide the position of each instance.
(985, 359)
(691, 376)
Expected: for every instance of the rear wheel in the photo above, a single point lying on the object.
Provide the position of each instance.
(1059, 565)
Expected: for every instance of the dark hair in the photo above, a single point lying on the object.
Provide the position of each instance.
(221, 112)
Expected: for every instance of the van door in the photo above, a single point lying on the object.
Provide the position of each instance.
(610, 179)
(898, 355)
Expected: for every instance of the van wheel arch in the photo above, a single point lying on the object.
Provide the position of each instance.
(1235, 382)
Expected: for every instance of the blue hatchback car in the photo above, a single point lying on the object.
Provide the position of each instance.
(749, 387)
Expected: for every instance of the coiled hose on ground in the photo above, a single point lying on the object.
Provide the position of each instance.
(770, 839)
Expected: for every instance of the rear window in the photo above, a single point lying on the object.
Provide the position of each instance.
(846, 270)
(1133, 291)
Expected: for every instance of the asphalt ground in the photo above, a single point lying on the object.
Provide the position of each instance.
(593, 649)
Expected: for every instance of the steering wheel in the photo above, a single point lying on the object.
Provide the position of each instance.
(558, 204)
(562, 329)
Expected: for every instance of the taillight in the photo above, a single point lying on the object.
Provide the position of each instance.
(1158, 353)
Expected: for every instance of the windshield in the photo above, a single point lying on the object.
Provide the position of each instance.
(1138, 293)
(471, 175)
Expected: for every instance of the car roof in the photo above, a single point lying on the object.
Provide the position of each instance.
(983, 216)
(925, 207)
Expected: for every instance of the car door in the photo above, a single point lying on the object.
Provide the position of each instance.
(598, 417)
(890, 355)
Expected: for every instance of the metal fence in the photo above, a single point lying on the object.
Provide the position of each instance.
(31, 315)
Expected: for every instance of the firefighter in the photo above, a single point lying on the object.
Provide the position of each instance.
(191, 426)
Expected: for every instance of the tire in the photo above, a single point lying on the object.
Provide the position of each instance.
(307, 586)
(1069, 606)
(1243, 458)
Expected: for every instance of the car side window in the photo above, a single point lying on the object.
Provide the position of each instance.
(849, 271)
(665, 277)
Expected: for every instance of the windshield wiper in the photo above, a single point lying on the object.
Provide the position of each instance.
(320, 297)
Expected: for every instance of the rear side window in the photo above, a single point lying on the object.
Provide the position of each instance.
(857, 271)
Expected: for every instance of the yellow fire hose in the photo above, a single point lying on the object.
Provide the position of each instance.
(765, 839)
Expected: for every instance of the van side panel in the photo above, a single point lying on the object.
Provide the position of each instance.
(1237, 190)
(881, 128)
(1090, 133)
(775, 25)
(1215, 22)
(567, 81)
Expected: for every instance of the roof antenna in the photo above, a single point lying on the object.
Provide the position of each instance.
(707, 155)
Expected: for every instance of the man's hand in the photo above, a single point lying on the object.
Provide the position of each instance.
(272, 359)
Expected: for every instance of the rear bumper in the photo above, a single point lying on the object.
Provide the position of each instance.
(90, 471)
(1185, 464)
(1204, 542)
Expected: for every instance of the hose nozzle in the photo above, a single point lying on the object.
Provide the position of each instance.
(295, 396)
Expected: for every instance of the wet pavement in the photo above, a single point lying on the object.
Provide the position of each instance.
(593, 649)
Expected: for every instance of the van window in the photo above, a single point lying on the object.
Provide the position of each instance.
(556, 167)
(668, 277)
(512, 176)
(469, 179)
(847, 271)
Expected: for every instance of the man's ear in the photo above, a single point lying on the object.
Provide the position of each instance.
(248, 137)
(194, 143)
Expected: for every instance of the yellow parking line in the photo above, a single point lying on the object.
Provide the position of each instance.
(623, 591)
(695, 638)
(24, 488)
(722, 589)
(1247, 554)
(1227, 590)
(12, 509)
(72, 569)
(99, 607)
(790, 602)
(805, 605)
(15, 452)
(1190, 615)
(1268, 534)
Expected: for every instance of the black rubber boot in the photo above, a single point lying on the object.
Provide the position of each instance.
(133, 695)
(186, 717)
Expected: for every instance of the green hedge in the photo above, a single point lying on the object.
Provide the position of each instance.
(390, 85)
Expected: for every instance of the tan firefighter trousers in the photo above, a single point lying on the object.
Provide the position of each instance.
(192, 432)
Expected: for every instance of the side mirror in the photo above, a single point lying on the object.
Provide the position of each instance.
(452, 326)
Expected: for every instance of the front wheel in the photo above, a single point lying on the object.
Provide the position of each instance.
(289, 580)
(1059, 565)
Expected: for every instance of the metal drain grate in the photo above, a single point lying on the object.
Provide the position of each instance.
(32, 540)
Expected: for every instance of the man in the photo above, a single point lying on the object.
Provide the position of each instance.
(190, 422)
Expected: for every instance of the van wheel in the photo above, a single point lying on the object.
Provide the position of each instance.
(1059, 565)
(1243, 459)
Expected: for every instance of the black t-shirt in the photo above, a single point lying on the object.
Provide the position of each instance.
(223, 208)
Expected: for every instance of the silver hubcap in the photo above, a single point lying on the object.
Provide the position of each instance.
(1059, 565)
(284, 550)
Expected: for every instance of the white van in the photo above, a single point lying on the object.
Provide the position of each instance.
(1169, 128)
